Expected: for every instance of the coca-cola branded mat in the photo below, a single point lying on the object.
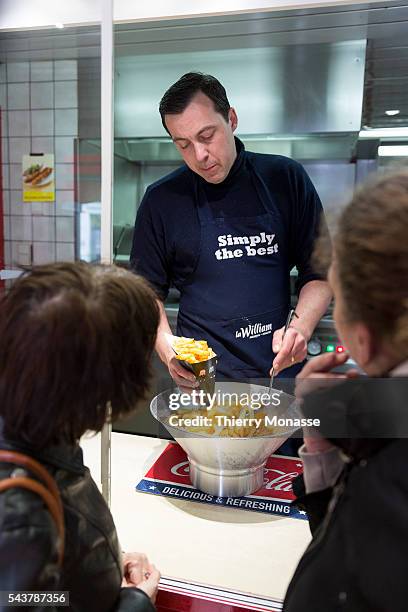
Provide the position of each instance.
(169, 476)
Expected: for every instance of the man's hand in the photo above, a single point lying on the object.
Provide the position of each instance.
(314, 298)
(184, 378)
(290, 350)
(139, 572)
(316, 375)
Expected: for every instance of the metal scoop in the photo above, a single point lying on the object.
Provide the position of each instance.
(289, 320)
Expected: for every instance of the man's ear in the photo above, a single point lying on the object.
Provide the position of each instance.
(232, 119)
(365, 347)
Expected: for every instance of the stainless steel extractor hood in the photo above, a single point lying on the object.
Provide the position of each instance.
(304, 101)
(326, 146)
(294, 89)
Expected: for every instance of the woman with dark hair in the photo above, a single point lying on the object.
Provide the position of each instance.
(76, 342)
(355, 481)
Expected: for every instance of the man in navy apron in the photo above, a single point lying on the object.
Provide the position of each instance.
(226, 229)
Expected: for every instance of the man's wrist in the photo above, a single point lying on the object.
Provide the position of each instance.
(302, 329)
(164, 351)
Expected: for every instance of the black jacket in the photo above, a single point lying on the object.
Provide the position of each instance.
(92, 568)
(358, 558)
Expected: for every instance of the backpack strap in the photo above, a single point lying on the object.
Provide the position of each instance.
(47, 490)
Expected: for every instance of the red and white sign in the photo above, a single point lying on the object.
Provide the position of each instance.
(169, 476)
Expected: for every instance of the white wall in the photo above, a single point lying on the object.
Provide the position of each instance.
(20, 14)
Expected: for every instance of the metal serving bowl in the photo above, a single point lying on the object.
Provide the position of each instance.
(228, 466)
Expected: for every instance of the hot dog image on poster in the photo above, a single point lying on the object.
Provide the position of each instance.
(38, 178)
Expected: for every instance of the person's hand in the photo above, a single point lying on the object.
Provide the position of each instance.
(139, 572)
(183, 378)
(316, 375)
(289, 350)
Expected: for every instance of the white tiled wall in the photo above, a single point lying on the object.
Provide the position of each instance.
(39, 103)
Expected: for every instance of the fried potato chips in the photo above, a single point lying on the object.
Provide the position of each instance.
(192, 351)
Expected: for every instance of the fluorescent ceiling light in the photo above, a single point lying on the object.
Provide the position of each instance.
(393, 151)
(384, 133)
(391, 113)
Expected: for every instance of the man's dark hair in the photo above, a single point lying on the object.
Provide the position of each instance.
(179, 95)
(76, 339)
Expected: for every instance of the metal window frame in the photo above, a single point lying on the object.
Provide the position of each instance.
(107, 138)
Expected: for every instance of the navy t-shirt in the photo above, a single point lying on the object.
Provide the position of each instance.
(167, 230)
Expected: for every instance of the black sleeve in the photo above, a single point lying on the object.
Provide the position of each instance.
(28, 562)
(314, 504)
(307, 219)
(28, 555)
(133, 600)
(149, 256)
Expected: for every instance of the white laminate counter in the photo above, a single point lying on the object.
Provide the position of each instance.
(230, 548)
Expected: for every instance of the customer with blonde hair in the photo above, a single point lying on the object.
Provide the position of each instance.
(355, 483)
(76, 342)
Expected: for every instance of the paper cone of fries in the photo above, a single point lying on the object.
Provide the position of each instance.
(197, 356)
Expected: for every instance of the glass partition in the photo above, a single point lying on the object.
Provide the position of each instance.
(49, 103)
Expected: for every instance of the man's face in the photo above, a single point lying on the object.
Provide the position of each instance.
(204, 139)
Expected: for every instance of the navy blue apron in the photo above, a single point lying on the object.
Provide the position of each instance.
(238, 294)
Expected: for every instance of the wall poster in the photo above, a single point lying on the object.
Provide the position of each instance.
(38, 178)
